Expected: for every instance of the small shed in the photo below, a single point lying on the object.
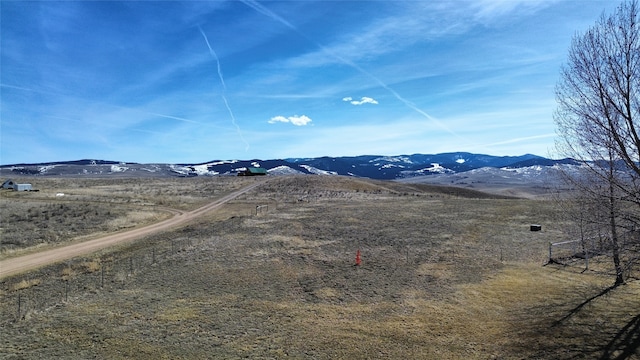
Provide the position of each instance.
(8, 184)
(22, 187)
(253, 171)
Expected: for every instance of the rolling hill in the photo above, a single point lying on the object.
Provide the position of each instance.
(367, 166)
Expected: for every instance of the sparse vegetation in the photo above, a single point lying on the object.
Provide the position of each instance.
(94, 206)
(445, 274)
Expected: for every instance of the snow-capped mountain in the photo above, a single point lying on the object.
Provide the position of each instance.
(369, 166)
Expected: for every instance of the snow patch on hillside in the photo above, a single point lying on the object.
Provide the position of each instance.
(183, 170)
(523, 169)
(45, 169)
(436, 169)
(396, 159)
(118, 168)
(223, 162)
(313, 170)
(283, 170)
(389, 166)
(203, 170)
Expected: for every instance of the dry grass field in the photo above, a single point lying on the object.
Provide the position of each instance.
(446, 274)
(70, 209)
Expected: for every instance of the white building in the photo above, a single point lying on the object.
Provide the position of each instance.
(22, 187)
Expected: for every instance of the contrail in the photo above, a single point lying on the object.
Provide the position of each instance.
(215, 56)
(515, 140)
(224, 87)
(102, 104)
(263, 10)
(175, 118)
(15, 87)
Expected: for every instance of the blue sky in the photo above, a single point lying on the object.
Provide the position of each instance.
(193, 81)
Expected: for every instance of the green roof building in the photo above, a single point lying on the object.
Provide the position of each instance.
(253, 171)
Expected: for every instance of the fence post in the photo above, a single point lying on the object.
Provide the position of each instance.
(550, 251)
(586, 259)
(19, 304)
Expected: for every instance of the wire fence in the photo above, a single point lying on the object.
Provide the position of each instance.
(61, 284)
(591, 253)
(76, 278)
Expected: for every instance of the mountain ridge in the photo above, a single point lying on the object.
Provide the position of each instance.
(381, 167)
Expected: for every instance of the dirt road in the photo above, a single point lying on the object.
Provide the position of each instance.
(20, 264)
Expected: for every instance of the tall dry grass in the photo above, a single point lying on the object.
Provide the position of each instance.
(443, 275)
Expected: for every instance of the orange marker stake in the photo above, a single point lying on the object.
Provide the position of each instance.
(358, 261)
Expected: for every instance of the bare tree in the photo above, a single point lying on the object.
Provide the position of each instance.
(597, 119)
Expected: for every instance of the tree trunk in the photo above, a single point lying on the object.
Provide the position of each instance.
(614, 237)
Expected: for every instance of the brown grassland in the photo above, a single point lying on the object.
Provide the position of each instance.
(446, 274)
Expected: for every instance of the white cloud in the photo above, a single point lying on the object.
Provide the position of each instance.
(363, 100)
(295, 120)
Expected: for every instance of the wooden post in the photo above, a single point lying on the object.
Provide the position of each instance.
(586, 259)
(550, 252)
(19, 305)
(586, 262)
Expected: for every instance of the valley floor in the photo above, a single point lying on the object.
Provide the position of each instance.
(444, 274)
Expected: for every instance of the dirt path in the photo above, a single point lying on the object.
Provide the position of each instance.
(20, 264)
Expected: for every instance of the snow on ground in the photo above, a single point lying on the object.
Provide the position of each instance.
(203, 170)
(389, 166)
(223, 162)
(44, 169)
(180, 169)
(283, 170)
(118, 168)
(435, 168)
(403, 159)
(524, 170)
(313, 170)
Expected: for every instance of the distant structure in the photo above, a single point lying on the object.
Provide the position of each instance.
(253, 171)
(22, 187)
(8, 184)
